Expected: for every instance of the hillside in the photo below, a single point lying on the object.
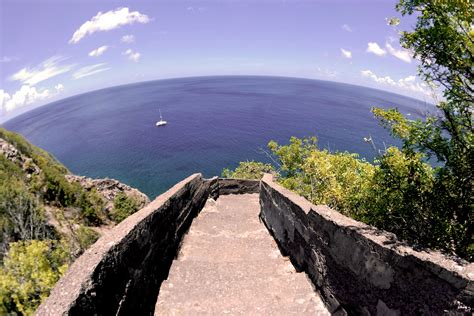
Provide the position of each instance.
(48, 213)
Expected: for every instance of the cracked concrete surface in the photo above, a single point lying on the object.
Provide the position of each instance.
(229, 264)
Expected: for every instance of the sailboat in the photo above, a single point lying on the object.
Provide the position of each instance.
(161, 122)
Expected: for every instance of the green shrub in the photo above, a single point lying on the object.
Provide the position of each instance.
(401, 200)
(21, 216)
(29, 272)
(252, 170)
(124, 206)
(91, 205)
(86, 236)
(339, 180)
(400, 193)
(50, 185)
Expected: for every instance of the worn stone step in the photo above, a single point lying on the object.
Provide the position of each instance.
(230, 264)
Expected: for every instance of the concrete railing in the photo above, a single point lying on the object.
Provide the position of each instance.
(122, 272)
(356, 268)
(359, 269)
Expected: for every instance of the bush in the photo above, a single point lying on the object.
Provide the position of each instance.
(50, 185)
(252, 170)
(21, 217)
(399, 193)
(86, 236)
(124, 206)
(401, 200)
(91, 205)
(29, 272)
(338, 180)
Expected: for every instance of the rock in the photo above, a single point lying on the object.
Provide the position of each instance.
(13, 154)
(109, 189)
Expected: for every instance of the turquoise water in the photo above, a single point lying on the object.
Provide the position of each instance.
(213, 123)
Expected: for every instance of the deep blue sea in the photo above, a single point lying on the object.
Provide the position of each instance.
(213, 123)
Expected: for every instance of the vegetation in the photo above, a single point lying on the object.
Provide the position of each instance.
(34, 252)
(249, 170)
(337, 180)
(401, 192)
(124, 206)
(43, 178)
(443, 41)
(86, 237)
(30, 270)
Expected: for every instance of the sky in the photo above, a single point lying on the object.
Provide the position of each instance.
(53, 49)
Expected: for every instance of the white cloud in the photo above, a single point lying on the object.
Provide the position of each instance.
(409, 83)
(89, 70)
(375, 49)
(196, 9)
(384, 80)
(128, 39)
(7, 59)
(133, 56)
(25, 96)
(346, 28)
(99, 51)
(108, 21)
(401, 54)
(346, 53)
(59, 87)
(46, 70)
(327, 72)
(4, 98)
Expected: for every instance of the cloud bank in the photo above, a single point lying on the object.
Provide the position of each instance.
(408, 84)
(25, 96)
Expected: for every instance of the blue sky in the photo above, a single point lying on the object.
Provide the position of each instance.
(52, 49)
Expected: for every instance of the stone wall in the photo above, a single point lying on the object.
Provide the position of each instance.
(359, 269)
(225, 186)
(356, 268)
(122, 272)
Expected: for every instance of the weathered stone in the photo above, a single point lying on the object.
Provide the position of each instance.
(356, 269)
(213, 187)
(11, 153)
(384, 310)
(109, 189)
(122, 272)
(228, 263)
(238, 186)
(355, 266)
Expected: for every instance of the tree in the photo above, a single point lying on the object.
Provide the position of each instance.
(443, 42)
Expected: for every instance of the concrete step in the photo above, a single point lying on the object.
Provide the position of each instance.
(229, 264)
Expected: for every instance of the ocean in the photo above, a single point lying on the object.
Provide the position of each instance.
(213, 123)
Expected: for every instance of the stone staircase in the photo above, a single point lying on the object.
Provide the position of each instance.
(233, 247)
(229, 264)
